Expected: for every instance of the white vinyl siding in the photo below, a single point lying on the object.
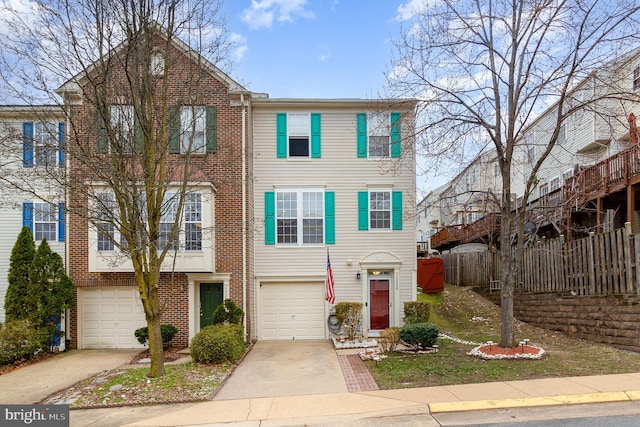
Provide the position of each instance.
(341, 173)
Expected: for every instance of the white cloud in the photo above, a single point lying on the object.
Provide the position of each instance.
(240, 48)
(262, 13)
(413, 7)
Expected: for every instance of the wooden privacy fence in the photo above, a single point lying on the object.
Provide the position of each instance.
(603, 264)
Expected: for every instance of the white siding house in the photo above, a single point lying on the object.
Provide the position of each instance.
(332, 177)
(31, 155)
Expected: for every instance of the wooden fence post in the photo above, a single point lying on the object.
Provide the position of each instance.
(591, 265)
(628, 245)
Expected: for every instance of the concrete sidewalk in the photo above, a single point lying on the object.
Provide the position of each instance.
(341, 408)
(33, 383)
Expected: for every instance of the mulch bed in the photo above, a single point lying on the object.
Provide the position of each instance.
(496, 349)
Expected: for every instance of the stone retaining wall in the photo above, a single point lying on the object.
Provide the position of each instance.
(613, 320)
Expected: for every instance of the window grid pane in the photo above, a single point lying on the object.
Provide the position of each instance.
(122, 126)
(193, 125)
(45, 218)
(46, 144)
(169, 212)
(313, 212)
(379, 130)
(298, 130)
(380, 210)
(193, 221)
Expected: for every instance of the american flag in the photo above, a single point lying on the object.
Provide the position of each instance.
(329, 293)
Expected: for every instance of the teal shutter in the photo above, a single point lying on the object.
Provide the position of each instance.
(361, 127)
(102, 141)
(61, 144)
(281, 135)
(27, 215)
(212, 129)
(269, 218)
(174, 130)
(396, 214)
(329, 218)
(396, 139)
(61, 222)
(363, 210)
(316, 150)
(27, 145)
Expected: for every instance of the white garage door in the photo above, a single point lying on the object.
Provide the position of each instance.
(109, 316)
(293, 311)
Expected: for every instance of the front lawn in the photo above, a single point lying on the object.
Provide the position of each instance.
(470, 317)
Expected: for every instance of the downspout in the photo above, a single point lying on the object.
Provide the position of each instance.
(67, 243)
(244, 214)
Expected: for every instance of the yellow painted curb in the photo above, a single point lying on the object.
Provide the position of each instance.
(634, 395)
(572, 399)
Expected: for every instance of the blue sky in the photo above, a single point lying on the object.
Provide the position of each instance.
(313, 48)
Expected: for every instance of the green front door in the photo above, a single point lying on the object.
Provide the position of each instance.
(211, 296)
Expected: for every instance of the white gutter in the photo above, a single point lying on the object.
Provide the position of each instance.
(244, 215)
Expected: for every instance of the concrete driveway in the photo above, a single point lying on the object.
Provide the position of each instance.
(33, 383)
(285, 368)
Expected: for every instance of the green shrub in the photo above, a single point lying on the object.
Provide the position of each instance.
(218, 343)
(389, 339)
(416, 312)
(228, 312)
(167, 332)
(349, 315)
(20, 340)
(421, 335)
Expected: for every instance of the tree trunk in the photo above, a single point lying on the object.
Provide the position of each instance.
(507, 276)
(156, 351)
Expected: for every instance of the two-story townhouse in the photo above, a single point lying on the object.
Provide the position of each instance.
(334, 179)
(428, 222)
(32, 167)
(208, 154)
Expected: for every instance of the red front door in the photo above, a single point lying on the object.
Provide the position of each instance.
(379, 301)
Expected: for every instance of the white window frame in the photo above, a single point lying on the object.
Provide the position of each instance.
(562, 134)
(635, 83)
(45, 221)
(378, 135)
(300, 211)
(531, 154)
(299, 129)
(566, 175)
(188, 239)
(193, 123)
(554, 183)
(380, 209)
(45, 144)
(544, 189)
(156, 64)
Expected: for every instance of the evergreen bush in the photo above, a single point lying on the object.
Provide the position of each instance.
(416, 312)
(421, 335)
(218, 343)
(389, 339)
(167, 332)
(228, 312)
(16, 299)
(20, 340)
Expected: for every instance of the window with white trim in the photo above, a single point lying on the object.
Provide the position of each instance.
(562, 134)
(193, 222)
(106, 233)
(380, 210)
(167, 220)
(45, 141)
(194, 129)
(45, 221)
(156, 64)
(544, 190)
(379, 130)
(531, 154)
(298, 132)
(636, 79)
(566, 175)
(300, 213)
(554, 184)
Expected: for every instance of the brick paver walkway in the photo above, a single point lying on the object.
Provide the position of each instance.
(356, 374)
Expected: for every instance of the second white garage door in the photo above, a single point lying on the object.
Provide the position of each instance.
(109, 317)
(292, 311)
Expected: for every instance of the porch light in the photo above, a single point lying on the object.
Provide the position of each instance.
(358, 275)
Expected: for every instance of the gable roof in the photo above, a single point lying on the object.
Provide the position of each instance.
(73, 86)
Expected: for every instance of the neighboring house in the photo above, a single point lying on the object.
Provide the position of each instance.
(428, 221)
(588, 182)
(468, 205)
(332, 177)
(31, 153)
(212, 258)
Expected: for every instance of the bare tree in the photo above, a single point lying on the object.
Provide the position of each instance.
(125, 74)
(485, 69)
